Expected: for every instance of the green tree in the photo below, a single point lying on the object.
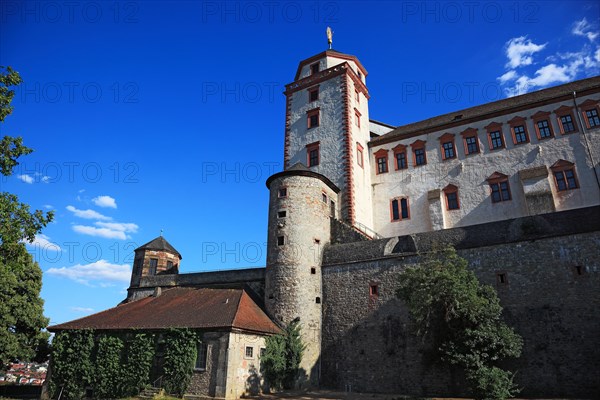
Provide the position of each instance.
(21, 308)
(283, 353)
(462, 319)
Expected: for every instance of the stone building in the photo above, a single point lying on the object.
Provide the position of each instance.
(513, 185)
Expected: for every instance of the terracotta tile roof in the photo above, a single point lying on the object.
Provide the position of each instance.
(181, 308)
(490, 110)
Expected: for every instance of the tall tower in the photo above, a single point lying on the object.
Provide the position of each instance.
(327, 128)
(154, 258)
(301, 205)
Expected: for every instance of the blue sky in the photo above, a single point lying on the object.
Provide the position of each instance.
(169, 115)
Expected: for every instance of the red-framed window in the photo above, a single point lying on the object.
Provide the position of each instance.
(518, 129)
(313, 94)
(447, 146)
(470, 141)
(357, 96)
(565, 177)
(357, 116)
(315, 68)
(542, 124)
(451, 195)
(419, 153)
(313, 118)
(591, 114)
(499, 187)
(495, 136)
(359, 155)
(399, 209)
(566, 120)
(400, 159)
(313, 157)
(381, 160)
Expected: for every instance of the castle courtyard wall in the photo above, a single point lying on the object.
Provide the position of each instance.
(550, 296)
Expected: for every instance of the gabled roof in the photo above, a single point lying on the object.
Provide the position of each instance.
(197, 308)
(491, 110)
(160, 244)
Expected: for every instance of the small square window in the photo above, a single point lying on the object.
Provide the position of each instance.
(382, 165)
(318, 300)
(314, 68)
(313, 120)
(317, 241)
(313, 94)
(281, 214)
(544, 129)
(420, 157)
(356, 96)
(280, 240)
(520, 134)
(249, 352)
(592, 118)
(448, 148)
(566, 122)
(452, 200)
(313, 270)
(400, 209)
(169, 264)
(471, 145)
(282, 192)
(578, 270)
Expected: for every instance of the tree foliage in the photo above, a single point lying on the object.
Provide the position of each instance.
(283, 353)
(180, 356)
(462, 319)
(21, 308)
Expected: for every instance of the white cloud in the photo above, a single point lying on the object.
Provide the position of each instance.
(42, 241)
(88, 214)
(100, 232)
(584, 28)
(82, 309)
(508, 76)
(48, 206)
(119, 226)
(597, 54)
(26, 178)
(520, 50)
(105, 201)
(99, 271)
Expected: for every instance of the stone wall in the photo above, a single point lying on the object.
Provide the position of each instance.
(551, 296)
(251, 278)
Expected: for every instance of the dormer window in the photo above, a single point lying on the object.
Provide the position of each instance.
(314, 68)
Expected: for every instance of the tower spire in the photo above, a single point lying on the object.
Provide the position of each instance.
(329, 37)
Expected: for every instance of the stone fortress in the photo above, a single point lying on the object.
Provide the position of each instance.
(513, 185)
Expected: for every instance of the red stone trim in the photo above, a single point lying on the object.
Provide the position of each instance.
(381, 153)
(325, 75)
(541, 116)
(561, 166)
(563, 111)
(469, 133)
(447, 138)
(288, 128)
(587, 105)
(349, 165)
(416, 145)
(513, 123)
(399, 199)
(493, 127)
(310, 147)
(451, 189)
(360, 155)
(400, 148)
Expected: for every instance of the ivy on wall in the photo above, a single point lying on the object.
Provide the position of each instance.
(180, 356)
(118, 365)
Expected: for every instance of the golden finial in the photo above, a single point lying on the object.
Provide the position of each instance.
(329, 37)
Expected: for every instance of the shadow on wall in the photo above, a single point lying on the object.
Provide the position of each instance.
(255, 385)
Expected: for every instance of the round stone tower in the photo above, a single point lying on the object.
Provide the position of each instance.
(301, 205)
